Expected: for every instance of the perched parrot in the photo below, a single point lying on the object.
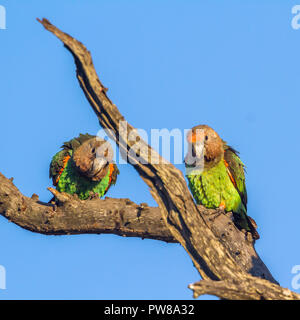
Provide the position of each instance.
(84, 167)
(216, 176)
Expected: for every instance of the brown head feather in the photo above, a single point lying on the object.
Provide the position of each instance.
(213, 150)
(92, 158)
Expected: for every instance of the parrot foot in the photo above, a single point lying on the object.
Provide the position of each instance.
(52, 200)
(219, 211)
(249, 236)
(93, 195)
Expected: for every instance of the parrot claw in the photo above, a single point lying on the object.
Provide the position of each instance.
(93, 195)
(249, 236)
(216, 214)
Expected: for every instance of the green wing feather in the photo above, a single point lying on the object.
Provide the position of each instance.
(57, 164)
(237, 170)
(115, 174)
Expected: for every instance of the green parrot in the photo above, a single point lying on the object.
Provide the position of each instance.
(84, 167)
(216, 176)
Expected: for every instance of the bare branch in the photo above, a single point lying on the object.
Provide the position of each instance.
(212, 258)
(234, 290)
(184, 220)
(73, 216)
(122, 217)
(116, 216)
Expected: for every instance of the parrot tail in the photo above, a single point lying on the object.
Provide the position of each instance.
(253, 226)
(243, 221)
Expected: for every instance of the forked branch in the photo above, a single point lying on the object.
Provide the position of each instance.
(211, 256)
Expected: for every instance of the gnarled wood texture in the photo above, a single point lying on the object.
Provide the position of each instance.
(218, 261)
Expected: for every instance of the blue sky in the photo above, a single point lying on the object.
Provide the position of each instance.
(233, 65)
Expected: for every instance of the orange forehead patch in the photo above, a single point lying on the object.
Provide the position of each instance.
(191, 137)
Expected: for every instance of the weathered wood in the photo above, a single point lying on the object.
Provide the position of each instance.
(220, 254)
(73, 216)
(115, 216)
(168, 187)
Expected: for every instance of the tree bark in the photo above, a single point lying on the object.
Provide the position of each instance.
(214, 256)
(117, 216)
(73, 216)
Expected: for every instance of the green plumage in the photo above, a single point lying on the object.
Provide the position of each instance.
(237, 170)
(224, 184)
(212, 187)
(68, 179)
(57, 164)
(72, 182)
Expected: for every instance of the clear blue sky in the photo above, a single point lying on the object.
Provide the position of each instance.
(168, 64)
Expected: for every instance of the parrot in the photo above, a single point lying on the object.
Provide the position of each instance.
(216, 176)
(84, 167)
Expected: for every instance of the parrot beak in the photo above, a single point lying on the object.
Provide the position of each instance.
(195, 154)
(195, 135)
(101, 157)
(99, 164)
(198, 148)
(191, 137)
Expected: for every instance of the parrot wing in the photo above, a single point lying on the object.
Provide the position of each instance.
(114, 174)
(236, 171)
(58, 164)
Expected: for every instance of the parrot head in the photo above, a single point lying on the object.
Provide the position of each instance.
(93, 157)
(205, 147)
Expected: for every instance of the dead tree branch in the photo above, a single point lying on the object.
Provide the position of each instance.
(73, 216)
(186, 222)
(116, 216)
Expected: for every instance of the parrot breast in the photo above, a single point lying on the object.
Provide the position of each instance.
(72, 182)
(81, 168)
(213, 187)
